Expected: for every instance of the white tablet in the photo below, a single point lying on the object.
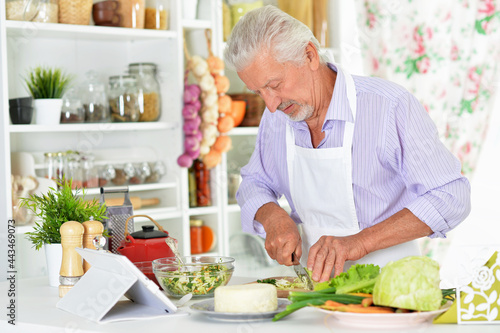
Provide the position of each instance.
(98, 295)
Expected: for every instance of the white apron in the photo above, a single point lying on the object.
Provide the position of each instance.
(321, 190)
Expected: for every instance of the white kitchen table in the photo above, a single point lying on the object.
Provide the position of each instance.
(36, 312)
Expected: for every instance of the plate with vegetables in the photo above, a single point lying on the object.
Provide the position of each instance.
(393, 318)
(405, 292)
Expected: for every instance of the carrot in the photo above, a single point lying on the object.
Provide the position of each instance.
(367, 301)
(359, 308)
(333, 304)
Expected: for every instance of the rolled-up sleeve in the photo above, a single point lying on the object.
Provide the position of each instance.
(258, 185)
(428, 168)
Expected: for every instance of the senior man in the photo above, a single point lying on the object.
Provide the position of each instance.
(358, 158)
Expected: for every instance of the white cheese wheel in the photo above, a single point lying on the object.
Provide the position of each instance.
(247, 298)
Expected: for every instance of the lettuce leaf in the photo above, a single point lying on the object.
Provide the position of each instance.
(359, 278)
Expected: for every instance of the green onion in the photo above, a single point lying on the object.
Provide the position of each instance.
(303, 299)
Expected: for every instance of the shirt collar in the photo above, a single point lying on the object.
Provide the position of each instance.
(339, 107)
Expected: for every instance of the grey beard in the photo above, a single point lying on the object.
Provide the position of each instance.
(304, 112)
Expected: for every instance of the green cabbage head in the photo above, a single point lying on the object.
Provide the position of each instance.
(409, 283)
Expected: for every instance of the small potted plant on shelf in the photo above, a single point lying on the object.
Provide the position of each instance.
(47, 86)
(52, 210)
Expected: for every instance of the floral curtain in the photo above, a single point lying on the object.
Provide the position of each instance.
(446, 53)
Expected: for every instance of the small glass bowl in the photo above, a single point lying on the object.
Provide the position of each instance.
(200, 275)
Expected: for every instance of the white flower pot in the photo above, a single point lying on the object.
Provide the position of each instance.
(48, 111)
(189, 9)
(53, 256)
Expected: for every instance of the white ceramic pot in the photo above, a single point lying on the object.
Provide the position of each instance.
(48, 111)
(189, 9)
(53, 256)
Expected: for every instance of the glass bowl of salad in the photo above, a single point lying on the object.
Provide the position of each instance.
(199, 275)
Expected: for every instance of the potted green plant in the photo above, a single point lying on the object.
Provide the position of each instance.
(52, 210)
(47, 86)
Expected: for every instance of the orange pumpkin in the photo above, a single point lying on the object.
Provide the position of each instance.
(238, 109)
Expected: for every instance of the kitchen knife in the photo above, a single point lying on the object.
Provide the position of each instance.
(301, 273)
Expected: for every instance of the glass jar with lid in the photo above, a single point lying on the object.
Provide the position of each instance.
(132, 13)
(72, 108)
(49, 165)
(149, 90)
(94, 99)
(36, 11)
(124, 98)
(73, 170)
(131, 173)
(142, 172)
(157, 171)
(106, 174)
(157, 12)
(60, 166)
(120, 177)
(90, 173)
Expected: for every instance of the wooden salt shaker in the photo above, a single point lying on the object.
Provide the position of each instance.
(92, 229)
(71, 265)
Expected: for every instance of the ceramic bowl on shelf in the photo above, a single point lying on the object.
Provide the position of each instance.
(199, 275)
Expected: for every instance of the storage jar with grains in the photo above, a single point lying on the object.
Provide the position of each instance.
(149, 90)
(49, 165)
(106, 174)
(132, 13)
(158, 170)
(157, 14)
(95, 99)
(72, 109)
(60, 165)
(89, 171)
(124, 99)
(74, 170)
(36, 11)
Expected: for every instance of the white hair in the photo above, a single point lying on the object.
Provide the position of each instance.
(268, 29)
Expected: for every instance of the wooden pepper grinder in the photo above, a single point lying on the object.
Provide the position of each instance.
(71, 265)
(92, 229)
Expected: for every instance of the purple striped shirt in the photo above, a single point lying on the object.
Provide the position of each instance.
(398, 160)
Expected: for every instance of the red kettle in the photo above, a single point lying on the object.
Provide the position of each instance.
(145, 245)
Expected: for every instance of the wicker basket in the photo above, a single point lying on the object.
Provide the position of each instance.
(75, 11)
(254, 110)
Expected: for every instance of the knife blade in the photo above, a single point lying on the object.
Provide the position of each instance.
(301, 273)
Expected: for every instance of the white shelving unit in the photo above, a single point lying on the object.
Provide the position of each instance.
(107, 50)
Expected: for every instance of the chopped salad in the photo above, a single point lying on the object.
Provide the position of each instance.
(285, 284)
(202, 282)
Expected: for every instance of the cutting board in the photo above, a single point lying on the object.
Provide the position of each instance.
(283, 293)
